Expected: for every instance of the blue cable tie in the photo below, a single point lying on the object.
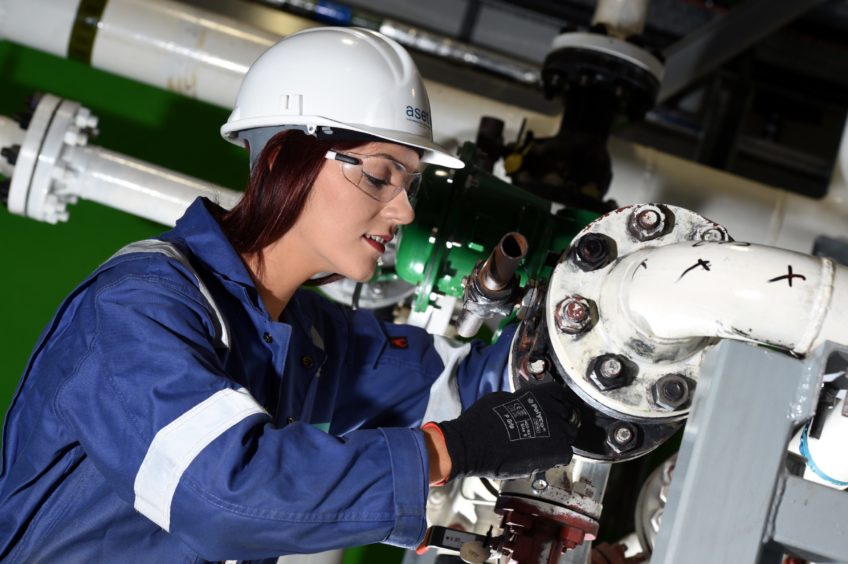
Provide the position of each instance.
(805, 452)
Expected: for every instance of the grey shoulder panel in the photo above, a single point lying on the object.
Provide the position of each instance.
(170, 250)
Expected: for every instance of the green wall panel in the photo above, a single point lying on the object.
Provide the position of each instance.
(41, 263)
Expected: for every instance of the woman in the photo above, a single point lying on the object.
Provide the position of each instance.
(189, 403)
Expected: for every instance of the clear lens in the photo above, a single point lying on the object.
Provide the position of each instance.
(382, 178)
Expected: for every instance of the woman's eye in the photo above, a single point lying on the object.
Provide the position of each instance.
(374, 181)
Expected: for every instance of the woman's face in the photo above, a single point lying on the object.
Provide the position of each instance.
(342, 229)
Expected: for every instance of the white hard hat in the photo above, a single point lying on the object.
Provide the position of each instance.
(339, 78)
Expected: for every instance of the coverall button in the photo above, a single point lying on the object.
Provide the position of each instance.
(290, 420)
(268, 338)
(306, 361)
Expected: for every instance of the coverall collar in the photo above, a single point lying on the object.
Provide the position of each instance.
(206, 241)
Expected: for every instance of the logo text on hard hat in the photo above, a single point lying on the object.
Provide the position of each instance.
(418, 115)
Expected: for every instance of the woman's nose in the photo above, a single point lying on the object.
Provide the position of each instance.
(399, 209)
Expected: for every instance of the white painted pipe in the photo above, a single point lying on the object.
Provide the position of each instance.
(622, 18)
(751, 211)
(134, 186)
(56, 166)
(10, 134)
(177, 47)
(41, 24)
(159, 42)
(676, 293)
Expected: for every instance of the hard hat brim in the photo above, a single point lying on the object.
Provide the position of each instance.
(433, 152)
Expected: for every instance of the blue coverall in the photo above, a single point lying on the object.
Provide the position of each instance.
(165, 417)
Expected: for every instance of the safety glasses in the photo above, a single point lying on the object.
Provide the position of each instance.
(379, 177)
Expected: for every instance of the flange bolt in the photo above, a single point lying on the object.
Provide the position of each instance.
(22, 118)
(609, 372)
(539, 484)
(621, 436)
(573, 315)
(647, 222)
(537, 367)
(714, 235)
(610, 368)
(671, 391)
(592, 251)
(11, 154)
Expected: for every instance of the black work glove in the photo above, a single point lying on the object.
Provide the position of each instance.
(507, 435)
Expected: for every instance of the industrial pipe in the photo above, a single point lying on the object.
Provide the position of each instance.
(621, 18)
(51, 165)
(676, 293)
(177, 42)
(159, 42)
(498, 270)
(490, 288)
(137, 187)
(435, 44)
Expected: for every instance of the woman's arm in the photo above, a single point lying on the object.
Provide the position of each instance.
(192, 451)
(437, 455)
(399, 375)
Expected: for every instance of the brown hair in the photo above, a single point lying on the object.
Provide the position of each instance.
(276, 193)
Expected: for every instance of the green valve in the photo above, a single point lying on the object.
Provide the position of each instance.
(462, 214)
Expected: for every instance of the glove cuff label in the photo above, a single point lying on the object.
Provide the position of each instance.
(523, 418)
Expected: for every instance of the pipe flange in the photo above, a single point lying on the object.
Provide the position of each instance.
(597, 422)
(612, 47)
(28, 154)
(36, 189)
(649, 360)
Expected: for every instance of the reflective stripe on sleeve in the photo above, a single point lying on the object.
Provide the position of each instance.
(176, 445)
(444, 402)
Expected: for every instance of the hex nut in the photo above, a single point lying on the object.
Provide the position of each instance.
(671, 392)
(610, 372)
(537, 366)
(714, 234)
(593, 251)
(622, 436)
(573, 315)
(539, 484)
(647, 222)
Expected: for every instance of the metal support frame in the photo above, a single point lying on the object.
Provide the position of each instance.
(709, 47)
(731, 498)
(596, 473)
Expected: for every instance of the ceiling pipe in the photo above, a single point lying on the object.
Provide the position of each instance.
(172, 31)
(621, 18)
(170, 45)
(413, 37)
